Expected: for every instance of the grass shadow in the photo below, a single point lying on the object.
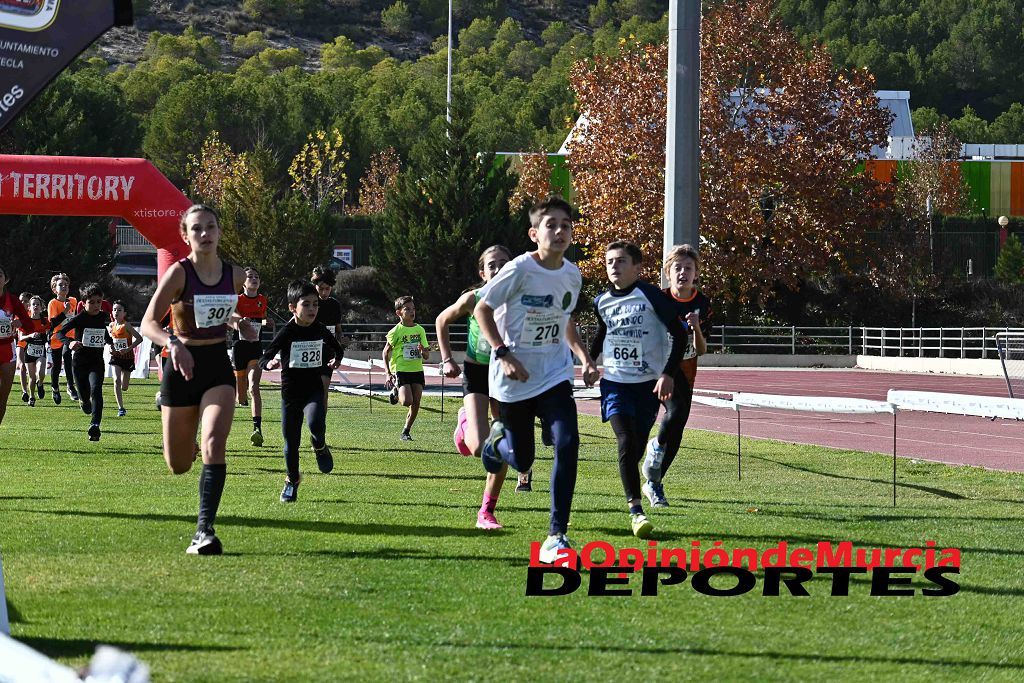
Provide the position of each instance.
(764, 654)
(942, 493)
(286, 524)
(77, 647)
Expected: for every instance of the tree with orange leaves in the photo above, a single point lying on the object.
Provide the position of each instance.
(534, 183)
(375, 183)
(781, 133)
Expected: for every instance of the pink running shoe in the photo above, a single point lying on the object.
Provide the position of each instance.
(486, 520)
(460, 434)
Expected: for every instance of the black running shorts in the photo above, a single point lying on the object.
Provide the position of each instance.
(246, 352)
(475, 378)
(211, 368)
(405, 378)
(127, 364)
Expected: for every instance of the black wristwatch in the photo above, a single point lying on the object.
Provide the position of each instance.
(501, 351)
(171, 338)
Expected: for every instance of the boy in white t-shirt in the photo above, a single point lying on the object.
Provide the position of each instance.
(525, 313)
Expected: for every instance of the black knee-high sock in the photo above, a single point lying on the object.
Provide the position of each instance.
(257, 423)
(211, 486)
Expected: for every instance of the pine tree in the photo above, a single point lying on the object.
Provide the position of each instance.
(449, 204)
(1010, 264)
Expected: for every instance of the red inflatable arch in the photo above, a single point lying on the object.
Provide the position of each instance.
(132, 189)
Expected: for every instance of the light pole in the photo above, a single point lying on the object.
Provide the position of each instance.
(682, 135)
(448, 99)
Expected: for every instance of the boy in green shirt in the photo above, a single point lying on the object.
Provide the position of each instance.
(404, 353)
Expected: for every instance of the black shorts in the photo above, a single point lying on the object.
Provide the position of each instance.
(405, 378)
(127, 364)
(246, 352)
(475, 378)
(211, 368)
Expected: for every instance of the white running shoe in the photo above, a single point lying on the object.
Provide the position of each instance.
(655, 492)
(553, 544)
(655, 454)
(641, 526)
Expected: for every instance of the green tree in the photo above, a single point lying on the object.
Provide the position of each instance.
(257, 211)
(249, 44)
(396, 19)
(970, 127)
(926, 119)
(81, 113)
(1010, 264)
(449, 205)
(1008, 128)
(81, 247)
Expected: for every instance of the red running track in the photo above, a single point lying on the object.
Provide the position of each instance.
(952, 439)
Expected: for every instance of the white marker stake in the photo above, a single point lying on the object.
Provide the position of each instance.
(5, 626)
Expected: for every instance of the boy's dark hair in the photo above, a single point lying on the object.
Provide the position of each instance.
(250, 270)
(401, 302)
(678, 253)
(630, 248)
(119, 302)
(90, 289)
(552, 203)
(300, 289)
(325, 275)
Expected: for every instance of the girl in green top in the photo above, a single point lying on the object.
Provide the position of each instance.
(473, 422)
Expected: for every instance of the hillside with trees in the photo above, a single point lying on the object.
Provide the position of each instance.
(262, 76)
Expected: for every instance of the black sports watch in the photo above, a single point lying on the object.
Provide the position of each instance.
(501, 351)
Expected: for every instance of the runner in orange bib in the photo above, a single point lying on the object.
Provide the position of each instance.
(59, 310)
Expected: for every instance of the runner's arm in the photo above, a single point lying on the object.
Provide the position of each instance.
(169, 289)
(332, 343)
(281, 339)
(597, 343)
(462, 307)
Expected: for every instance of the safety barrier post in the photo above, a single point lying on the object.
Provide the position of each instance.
(5, 626)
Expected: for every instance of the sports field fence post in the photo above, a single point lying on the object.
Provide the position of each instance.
(792, 332)
(369, 381)
(849, 332)
(894, 456)
(739, 447)
(442, 392)
(5, 626)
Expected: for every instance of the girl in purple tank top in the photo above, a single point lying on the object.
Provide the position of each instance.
(198, 384)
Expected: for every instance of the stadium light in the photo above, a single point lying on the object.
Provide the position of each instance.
(448, 99)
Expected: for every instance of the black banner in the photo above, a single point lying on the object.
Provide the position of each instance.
(39, 38)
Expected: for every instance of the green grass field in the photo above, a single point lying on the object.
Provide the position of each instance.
(378, 572)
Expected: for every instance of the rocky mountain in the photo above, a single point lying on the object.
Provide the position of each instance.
(307, 24)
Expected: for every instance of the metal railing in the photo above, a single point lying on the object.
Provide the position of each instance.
(933, 342)
(130, 240)
(916, 342)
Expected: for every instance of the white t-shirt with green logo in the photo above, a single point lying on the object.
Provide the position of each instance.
(532, 305)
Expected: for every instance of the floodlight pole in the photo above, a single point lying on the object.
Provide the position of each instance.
(448, 99)
(682, 136)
